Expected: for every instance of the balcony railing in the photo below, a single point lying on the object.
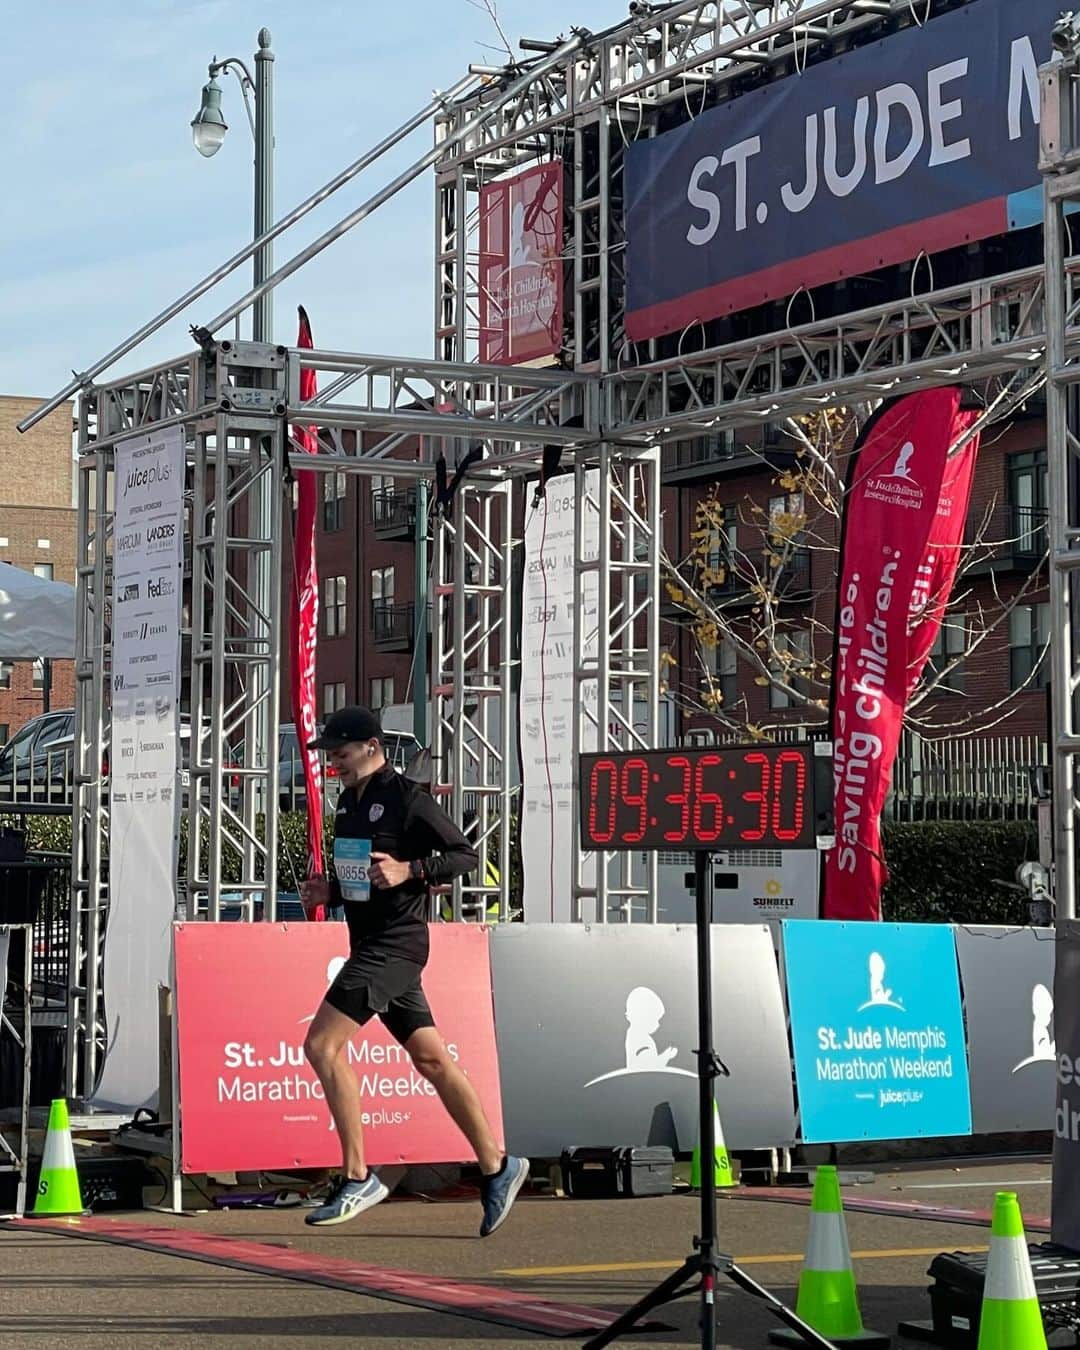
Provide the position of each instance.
(393, 627)
(706, 457)
(393, 513)
(1013, 539)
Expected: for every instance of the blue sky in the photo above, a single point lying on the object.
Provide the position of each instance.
(114, 214)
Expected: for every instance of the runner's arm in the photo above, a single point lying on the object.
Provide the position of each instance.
(446, 852)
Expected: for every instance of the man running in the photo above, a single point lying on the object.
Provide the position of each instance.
(391, 843)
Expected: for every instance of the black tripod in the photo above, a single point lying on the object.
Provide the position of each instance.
(705, 1263)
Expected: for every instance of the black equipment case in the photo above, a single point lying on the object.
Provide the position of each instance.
(602, 1173)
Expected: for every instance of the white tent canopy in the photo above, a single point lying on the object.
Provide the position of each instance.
(37, 617)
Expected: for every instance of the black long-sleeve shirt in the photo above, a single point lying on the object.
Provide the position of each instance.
(400, 819)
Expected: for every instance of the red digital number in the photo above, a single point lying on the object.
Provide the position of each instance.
(640, 799)
(680, 799)
(602, 766)
(787, 833)
(703, 798)
(760, 795)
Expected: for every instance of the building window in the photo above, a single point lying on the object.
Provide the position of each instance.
(1027, 508)
(44, 570)
(3, 734)
(727, 672)
(1029, 633)
(6, 669)
(950, 643)
(382, 693)
(333, 698)
(39, 674)
(334, 606)
(333, 502)
(791, 664)
(720, 547)
(382, 587)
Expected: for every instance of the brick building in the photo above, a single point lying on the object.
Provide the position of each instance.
(38, 533)
(367, 619)
(1001, 683)
(366, 567)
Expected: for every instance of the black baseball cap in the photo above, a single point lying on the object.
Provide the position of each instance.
(347, 725)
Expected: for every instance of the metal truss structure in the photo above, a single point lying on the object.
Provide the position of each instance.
(1060, 164)
(605, 404)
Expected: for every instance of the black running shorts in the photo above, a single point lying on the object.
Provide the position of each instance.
(371, 984)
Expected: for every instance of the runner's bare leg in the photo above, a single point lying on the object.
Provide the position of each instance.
(326, 1047)
(427, 1050)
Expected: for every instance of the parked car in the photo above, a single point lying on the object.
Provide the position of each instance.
(35, 764)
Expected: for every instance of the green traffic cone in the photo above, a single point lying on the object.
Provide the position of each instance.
(58, 1185)
(1010, 1318)
(828, 1300)
(722, 1172)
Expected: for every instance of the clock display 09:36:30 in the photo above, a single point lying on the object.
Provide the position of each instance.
(660, 799)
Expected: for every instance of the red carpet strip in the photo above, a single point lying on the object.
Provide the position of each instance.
(868, 1204)
(481, 1302)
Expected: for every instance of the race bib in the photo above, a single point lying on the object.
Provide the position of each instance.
(352, 859)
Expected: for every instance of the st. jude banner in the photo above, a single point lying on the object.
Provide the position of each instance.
(907, 493)
(246, 994)
(878, 1031)
(925, 140)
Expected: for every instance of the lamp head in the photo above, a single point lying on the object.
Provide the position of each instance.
(208, 126)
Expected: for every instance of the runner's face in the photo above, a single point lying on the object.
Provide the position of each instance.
(355, 761)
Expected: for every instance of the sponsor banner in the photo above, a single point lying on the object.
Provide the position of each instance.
(546, 703)
(304, 622)
(1008, 979)
(249, 1099)
(607, 1057)
(147, 564)
(925, 140)
(877, 1030)
(1065, 1211)
(521, 266)
(903, 522)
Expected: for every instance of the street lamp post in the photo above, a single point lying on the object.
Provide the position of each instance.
(208, 129)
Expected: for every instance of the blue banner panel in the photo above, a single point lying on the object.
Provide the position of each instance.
(877, 1029)
(923, 141)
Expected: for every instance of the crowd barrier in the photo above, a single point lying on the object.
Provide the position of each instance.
(584, 1035)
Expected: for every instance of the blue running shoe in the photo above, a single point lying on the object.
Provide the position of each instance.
(499, 1192)
(347, 1199)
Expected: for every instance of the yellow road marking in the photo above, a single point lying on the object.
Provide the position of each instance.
(780, 1258)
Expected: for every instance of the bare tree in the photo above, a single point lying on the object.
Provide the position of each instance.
(756, 588)
(491, 9)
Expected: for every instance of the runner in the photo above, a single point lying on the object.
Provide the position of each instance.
(392, 842)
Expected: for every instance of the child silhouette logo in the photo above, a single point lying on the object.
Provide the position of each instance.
(900, 468)
(644, 1012)
(880, 997)
(1042, 1039)
(520, 248)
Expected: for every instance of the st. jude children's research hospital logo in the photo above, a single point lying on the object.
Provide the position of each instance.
(644, 1012)
(1043, 1048)
(899, 486)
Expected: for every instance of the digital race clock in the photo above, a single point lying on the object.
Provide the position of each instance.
(774, 797)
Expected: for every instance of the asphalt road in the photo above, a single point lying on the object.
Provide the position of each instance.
(60, 1291)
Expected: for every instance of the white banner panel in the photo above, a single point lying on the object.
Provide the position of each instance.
(547, 706)
(148, 535)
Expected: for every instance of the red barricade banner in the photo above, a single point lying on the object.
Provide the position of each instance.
(304, 621)
(245, 996)
(902, 531)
